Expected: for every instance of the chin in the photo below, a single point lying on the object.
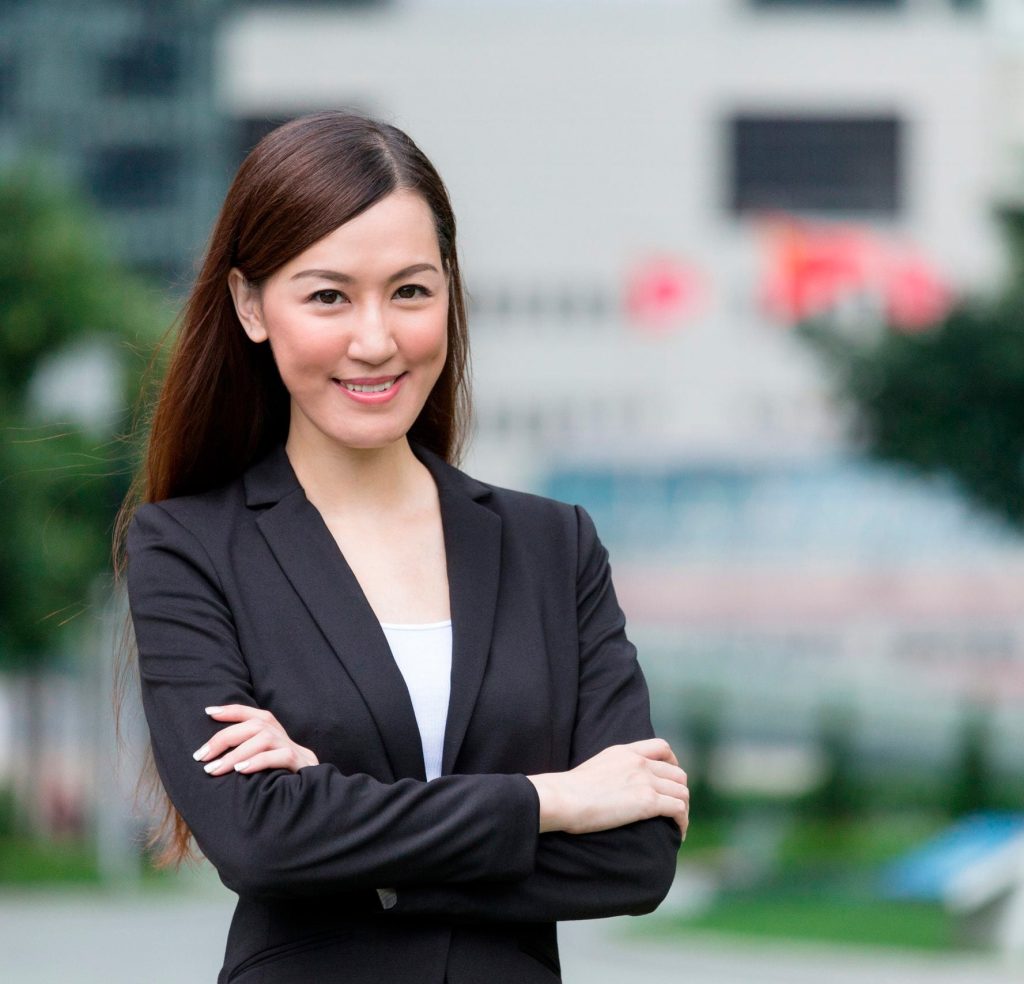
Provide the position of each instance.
(366, 434)
(367, 441)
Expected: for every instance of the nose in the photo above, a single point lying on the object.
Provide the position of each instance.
(372, 340)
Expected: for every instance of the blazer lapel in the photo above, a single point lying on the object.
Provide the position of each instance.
(310, 558)
(472, 543)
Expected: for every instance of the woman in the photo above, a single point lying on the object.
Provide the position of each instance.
(394, 705)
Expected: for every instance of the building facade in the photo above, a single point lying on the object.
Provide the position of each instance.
(633, 181)
(117, 97)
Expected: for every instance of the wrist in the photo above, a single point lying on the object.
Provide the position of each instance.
(550, 797)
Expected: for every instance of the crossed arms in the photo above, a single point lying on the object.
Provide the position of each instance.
(462, 846)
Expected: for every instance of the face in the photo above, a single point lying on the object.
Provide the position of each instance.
(357, 324)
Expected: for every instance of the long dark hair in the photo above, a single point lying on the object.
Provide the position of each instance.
(221, 403)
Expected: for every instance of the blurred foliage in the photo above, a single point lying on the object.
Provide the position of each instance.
(702, 729)
(947, 400)
(839, 795)
(61, 482)
(972, 788)
(7, 811)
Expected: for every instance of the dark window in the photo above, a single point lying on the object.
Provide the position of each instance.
(134, 176)
(853, 4)
(319, 3)
(858, 4)
(828, 164)
(144, 67)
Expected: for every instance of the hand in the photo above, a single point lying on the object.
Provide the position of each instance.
(619, 785)
(262, 743)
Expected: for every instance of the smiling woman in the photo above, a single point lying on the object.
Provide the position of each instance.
(380, 343)
(394, 705)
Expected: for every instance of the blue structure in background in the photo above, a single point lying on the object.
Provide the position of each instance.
(925, 873)
(838, 508)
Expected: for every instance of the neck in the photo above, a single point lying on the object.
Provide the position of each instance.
(339, 478)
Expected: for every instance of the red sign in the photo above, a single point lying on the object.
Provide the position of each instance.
(663, 292)
(811, 269)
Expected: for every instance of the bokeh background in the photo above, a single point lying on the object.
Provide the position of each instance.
(746, 279)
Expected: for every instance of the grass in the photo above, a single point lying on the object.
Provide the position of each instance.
(815, 883)
(864, 922)
(857, 843)
(26, 862)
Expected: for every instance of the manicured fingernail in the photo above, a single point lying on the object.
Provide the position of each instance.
(241, 765)
(202, 753)
(212, 710)
(210, 766)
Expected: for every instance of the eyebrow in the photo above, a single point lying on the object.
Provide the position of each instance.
(344, 278)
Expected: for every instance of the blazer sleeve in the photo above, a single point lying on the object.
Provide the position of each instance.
(279, 833)
(626, 870)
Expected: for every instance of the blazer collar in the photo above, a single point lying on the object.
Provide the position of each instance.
(308, 553)
(270, 478)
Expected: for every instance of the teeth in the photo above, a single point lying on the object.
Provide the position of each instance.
(375, 388)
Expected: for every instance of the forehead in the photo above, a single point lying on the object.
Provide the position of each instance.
(394, 232)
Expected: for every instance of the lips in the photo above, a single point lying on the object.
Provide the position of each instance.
(372, 394)
(370, 384)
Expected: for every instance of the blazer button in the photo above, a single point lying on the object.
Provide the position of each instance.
(388, 897)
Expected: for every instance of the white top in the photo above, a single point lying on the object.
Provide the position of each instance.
(423, 652)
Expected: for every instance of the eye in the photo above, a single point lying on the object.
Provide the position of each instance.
(326, 296)
(413, 287)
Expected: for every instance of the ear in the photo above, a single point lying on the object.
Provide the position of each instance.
(247, 305)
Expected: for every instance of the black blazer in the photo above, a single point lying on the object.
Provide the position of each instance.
(240, 595)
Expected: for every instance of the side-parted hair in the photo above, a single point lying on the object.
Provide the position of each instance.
(221, 403)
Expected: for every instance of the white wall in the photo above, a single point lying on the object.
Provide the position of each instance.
(576, 136)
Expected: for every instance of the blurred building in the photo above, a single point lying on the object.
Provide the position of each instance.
(117, 96)
(612, 164)
(649, 195)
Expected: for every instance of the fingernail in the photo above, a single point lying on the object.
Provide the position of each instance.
(212, 710)
(210, 766)
(202, 753)
(241, 765)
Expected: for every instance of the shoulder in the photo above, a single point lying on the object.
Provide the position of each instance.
(537, 507)
(202, 517)
(553, 523)
(518, 504)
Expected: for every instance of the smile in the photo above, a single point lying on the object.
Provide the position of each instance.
(375, 388)
(372, 392)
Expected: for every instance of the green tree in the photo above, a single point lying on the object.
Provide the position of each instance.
(702, 728)
(838, 796)
(63, 474)
(972, 787)
(948, 400)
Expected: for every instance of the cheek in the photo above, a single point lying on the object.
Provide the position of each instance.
(300, 352)
(427, 341)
